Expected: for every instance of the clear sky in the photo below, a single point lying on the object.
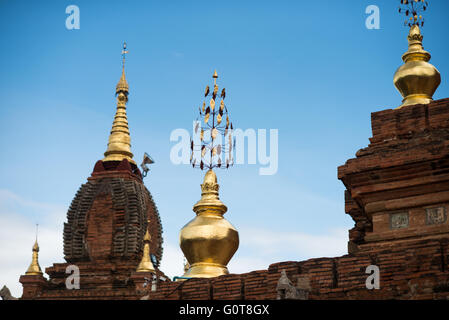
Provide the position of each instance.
(310, 69)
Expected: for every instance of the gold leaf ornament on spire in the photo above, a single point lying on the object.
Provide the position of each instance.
(211, 120)
(119, 144)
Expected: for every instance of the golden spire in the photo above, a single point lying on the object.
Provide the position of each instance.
(145, 264)
(416, 80)
(119, 145)
(208, 241)
(34, 269)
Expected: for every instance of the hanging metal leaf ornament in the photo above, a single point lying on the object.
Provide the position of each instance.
(211, 151)
(214, 133)
(203, 151)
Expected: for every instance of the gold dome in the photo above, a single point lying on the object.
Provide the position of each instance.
(208, 241)
(416, 80)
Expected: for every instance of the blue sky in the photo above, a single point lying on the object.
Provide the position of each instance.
(309, 69)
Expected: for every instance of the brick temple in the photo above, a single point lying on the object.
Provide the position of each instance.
(397, 193)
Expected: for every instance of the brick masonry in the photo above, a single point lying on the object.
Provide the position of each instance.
(397, 192)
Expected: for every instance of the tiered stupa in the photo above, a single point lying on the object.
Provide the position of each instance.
(109, 225)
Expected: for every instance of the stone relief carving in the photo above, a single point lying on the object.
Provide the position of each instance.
(435, 215)
(399, 220)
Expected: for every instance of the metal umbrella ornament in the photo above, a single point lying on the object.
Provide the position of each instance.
(216, 142)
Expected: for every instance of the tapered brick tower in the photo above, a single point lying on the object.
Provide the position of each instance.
(106, 225)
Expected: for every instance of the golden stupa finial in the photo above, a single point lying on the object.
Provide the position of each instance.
(145, 264)
(209, 241)
(417, 79)
(119, 144)
(34, 269)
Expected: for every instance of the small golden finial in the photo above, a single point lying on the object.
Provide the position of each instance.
(34, 269)
(145, 264)
(119, 145)
(417, 79)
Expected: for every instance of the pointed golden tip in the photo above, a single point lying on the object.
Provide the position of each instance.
(210, 177)
(122, 85)
(145, 264)
(119, 144)
(414, 30)
(215, 74)
(36, 246)
(147, 236)
(34, 269)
